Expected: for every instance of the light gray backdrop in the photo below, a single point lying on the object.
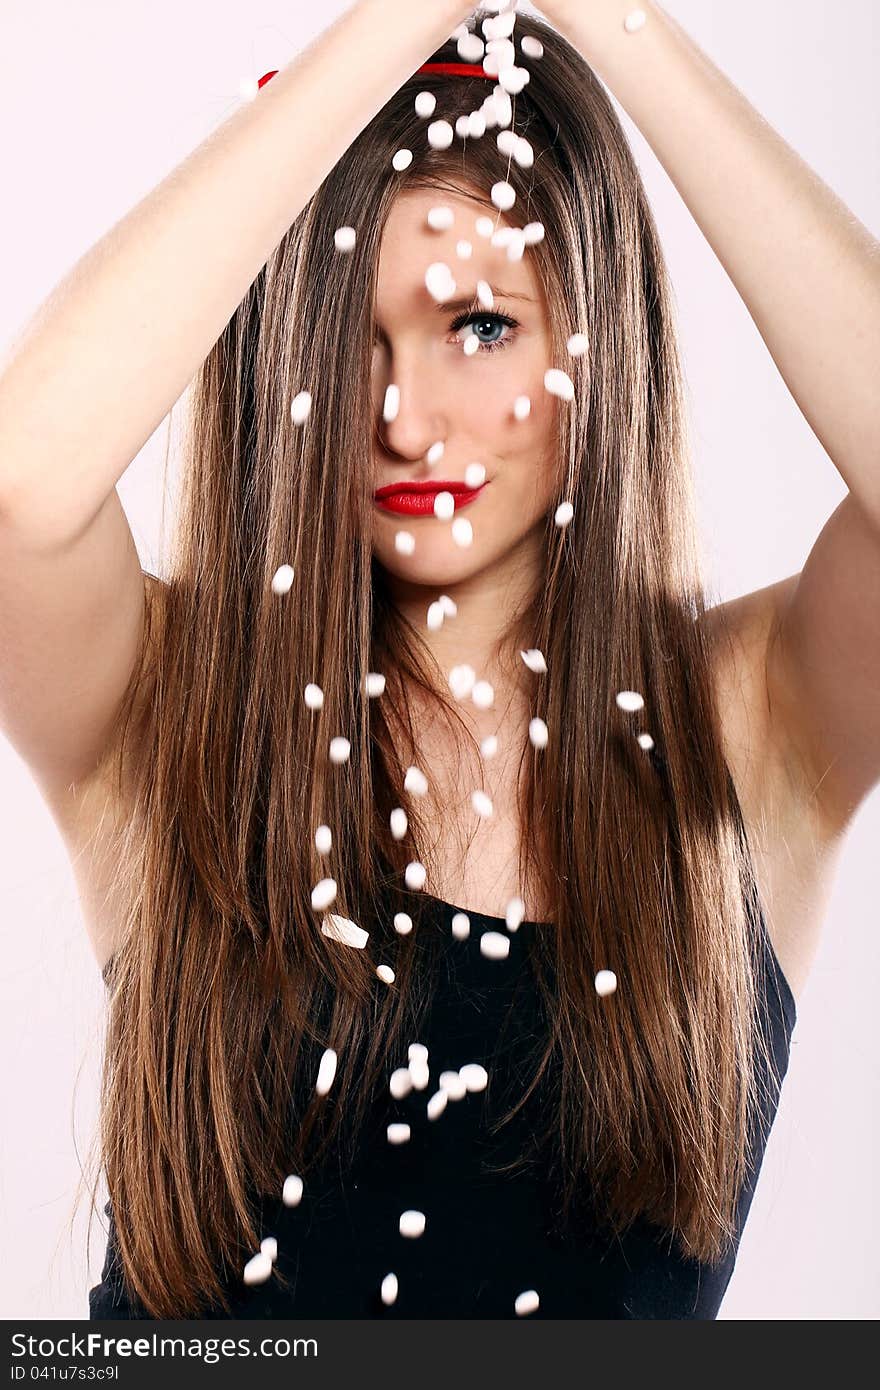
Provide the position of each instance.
(99, 102)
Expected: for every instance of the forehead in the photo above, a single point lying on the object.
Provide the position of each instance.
(410, 245)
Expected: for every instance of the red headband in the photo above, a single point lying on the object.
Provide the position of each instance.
(457, 69)
(450, 69)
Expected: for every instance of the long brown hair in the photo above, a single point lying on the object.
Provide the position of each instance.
(224, 987)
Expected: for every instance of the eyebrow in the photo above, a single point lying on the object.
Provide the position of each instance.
(468, 303)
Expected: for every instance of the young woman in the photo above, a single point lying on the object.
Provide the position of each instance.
(435, 847)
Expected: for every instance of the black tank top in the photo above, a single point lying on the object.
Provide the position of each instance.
(488, 1238)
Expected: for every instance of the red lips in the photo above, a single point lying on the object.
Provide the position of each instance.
(425, 485)
(417, 499)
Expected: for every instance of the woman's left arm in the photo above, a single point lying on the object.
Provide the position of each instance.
(809, 273)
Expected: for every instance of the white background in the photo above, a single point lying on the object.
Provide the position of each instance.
(98, 102)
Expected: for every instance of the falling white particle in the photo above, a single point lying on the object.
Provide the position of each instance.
(464, 250)
(282, 579)
(630, 700)
(439, 281)
(386, 974)
(389, 1289)
(514, 913)
(345, 238)
(440, 135)
(415, 875)
(412, 1223)
(484, 227)
(522, 408)
(426, 104)
(401, 1083)
(292, 1192)
(606, 982)
(506, 141)
(461, 926)
(645, 741)
(340, 748)
(502, 26)
(503, 195)
(399, 822)
(300, 407)
(326, 1072)
(391, 406)
(474, 1076)
(404, 542)
(452, 1083)
(502, 106)
(323, 839)
(533, 233)
(482, 804)
(502, 50)
(524, 154)
(635, 21)
(534, 659)
(514, 78)
(374, 684)
(420, 1074)
(343, 929)
(475, 475)
(415, 781)
(483, 695)
(559, 383)
(462, 532)
(402, 160)
(461, 681)
(516, 246)
(449, 606)
(444, 506)
(441, 218)
(484, 294)
(489, 746)
(403, 923)
(435, 616)
(436, 452)
(471, 342)
(578, 344)
(313, 696)
(398, 1133)
(471, 48)
(526, 1303)
(563, 514)
(531, 47)
(417, 1052)
(258, 1269)
(494, 946)
(323, 894)
(248, 88)
(437, 1104)
(538, 734)
(269, 1246)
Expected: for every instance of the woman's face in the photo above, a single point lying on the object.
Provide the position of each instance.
(464, 401)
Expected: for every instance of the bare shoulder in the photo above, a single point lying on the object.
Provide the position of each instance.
(88, 812)
(794, 849)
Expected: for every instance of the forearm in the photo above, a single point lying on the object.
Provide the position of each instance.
(116, 343)
(806, 268)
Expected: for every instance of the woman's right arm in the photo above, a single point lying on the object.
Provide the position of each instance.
(116, 343)
(111, 350)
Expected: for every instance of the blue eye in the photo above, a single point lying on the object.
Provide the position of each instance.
(480, 319)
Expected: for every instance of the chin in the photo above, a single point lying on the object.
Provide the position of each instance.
(433, 570)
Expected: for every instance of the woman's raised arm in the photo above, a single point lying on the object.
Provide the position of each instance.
(116, 343)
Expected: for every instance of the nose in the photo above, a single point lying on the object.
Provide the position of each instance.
(421, 419)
